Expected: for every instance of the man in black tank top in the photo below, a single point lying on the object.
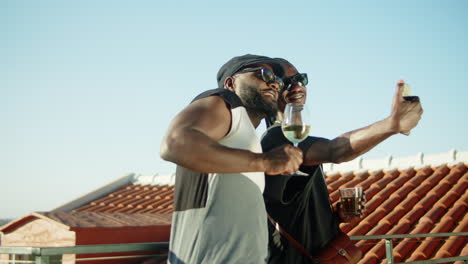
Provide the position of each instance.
(300, 204)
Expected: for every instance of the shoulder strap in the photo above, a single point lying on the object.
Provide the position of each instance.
(293, 241)
(228, 96)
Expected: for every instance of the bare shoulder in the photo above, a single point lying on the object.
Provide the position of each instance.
(210, 102)
(210, 115)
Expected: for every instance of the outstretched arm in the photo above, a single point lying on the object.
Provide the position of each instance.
(405, 116)
(192, 142)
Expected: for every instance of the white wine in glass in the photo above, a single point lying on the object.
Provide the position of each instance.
(296, 124)
(296, 133)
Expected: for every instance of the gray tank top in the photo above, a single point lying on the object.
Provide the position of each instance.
(221, 218)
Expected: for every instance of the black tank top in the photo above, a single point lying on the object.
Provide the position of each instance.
(300, 204)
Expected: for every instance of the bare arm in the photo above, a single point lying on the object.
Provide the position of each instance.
(405, 116)
(192, 142)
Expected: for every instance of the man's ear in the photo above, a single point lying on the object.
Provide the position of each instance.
(230, 84)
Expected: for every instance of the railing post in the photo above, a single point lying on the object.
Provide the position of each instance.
(389, 250)
(39, 258)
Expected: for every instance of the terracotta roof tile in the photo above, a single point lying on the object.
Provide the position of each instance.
(453, 244)
(420, 176)
(430, 201)
(334, 185)
(356, 180)
(403, 249)
(377, 253)
(377, 186)
(370, 258)
(464, 252)
(93, 219)
(433, 223)
(373, 177)
(133, 198)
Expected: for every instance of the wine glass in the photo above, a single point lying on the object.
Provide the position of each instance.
(296, 124)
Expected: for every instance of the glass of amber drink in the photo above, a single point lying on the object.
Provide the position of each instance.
(351, 200)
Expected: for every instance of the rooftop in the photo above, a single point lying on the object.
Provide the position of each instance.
(409, 195)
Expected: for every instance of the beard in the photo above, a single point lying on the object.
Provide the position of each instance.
(255, 103)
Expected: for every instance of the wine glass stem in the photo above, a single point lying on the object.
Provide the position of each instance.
(296, 144)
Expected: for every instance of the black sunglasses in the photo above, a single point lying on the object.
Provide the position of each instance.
(266, 75)
(300, 78)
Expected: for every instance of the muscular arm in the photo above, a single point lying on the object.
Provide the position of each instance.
(404, 116)
(348, 146)
(192, 142)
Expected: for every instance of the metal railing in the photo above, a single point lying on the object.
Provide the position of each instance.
(42, 255)
(389, 246)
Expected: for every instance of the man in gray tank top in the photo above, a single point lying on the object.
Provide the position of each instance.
(219, 213)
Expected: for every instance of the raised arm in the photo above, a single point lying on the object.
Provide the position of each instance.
(192, 142)
(405, 116)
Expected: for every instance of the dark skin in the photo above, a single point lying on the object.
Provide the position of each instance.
(192, 137)
(404, 116)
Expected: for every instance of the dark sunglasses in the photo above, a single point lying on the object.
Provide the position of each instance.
(266, 75)
(295, 79)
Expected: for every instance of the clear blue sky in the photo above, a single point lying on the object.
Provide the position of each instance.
(88, 88)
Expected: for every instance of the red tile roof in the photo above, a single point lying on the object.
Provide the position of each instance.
(412, 200)
(134, 198)
(96, 219)
(92, 220)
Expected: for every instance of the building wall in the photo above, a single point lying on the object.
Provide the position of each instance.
(34, 231)
(117, 235)
(40, 233)
(121, 235)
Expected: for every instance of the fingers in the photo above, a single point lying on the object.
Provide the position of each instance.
(294, 159)
(295, 153)
(399, 90)
(406, 110)
(362, 205)
(398, 96)
(410, 115)
(285, 159)
(362, 208)
(341, 214)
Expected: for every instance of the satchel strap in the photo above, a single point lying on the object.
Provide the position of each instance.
(341, 251)
(293, 241)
